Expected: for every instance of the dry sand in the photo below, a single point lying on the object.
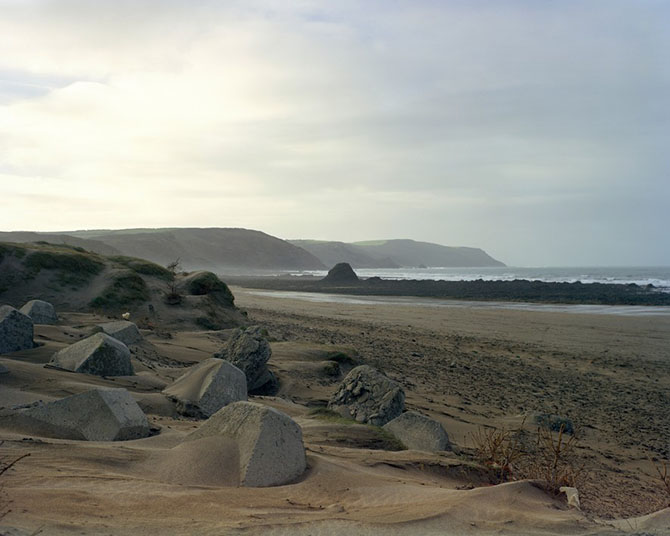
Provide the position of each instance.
(466, 368)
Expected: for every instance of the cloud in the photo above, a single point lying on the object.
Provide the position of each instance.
(493, 124)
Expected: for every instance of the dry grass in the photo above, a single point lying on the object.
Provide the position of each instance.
(499, 449)
(555, 462)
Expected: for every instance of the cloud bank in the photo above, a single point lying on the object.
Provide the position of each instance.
(535, 130)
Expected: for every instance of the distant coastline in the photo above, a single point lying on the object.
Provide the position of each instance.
(519, 290)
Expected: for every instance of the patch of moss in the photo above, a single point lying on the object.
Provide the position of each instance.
(332, 368)
(342, 358)
(73, 268)
(383, 440)
(208, 323)
(329, 415)
(125, 289)
(143, 267)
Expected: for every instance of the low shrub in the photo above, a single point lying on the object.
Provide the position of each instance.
(125, 290)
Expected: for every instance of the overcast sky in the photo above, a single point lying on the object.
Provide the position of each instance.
(536, 130)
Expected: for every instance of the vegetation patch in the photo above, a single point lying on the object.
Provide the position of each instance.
(380, 440)
(126, 289)
(141, 266)
(208, 283)
(73, 268)
(208, 323)
(342, 358)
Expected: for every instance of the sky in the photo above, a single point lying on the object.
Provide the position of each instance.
(537, 130)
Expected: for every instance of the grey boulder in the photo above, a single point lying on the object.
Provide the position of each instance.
(41, 312)
(250, 351)
(3, 369)
(16, 330)
(207, 387)
(122, 330)
(96, 415)
(366, 395)
(271, 450)
(98, 354)
(418, 432)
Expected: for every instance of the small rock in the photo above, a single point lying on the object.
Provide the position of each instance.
(418, 432)
(367, 395)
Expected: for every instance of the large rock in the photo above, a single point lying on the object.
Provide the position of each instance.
(207, 387)
(16, 330)
(271, 451)
(3, 369)
(418, 432)
(98, 354)
(96, 415)
(341, 273)
(368, 396)
(41, 312)
(122, 330)
(250, 351)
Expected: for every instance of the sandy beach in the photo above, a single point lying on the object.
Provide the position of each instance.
(467, 368)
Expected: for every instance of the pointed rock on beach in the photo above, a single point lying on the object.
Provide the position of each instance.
(98, 354)
(208, 387)
(271, 450)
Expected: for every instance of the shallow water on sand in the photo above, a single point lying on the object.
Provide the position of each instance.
(317, 297)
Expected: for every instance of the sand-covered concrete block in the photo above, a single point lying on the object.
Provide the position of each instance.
(271, 450)
(98, 354)
(122, 330)
(366, 395)
(40, 311)
(96, 415)
(418, 432)
(208, 387)
(16, 330)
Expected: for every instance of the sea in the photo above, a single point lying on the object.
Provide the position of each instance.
(658, 276)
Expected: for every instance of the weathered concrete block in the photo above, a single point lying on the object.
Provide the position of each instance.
(98, 354)
(96, 415)
(16, 330)
(41, 312)
(207, 387)
(271, 450)
(122, 330)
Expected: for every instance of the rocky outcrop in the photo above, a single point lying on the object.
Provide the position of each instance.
(98, 354)
(418, 432)
(208, 387)
(368, 396)
(40, 312)
(341, 273)
(271, 450)
(96, 415)
(250, 351)
(122, 330)
(16, 330)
